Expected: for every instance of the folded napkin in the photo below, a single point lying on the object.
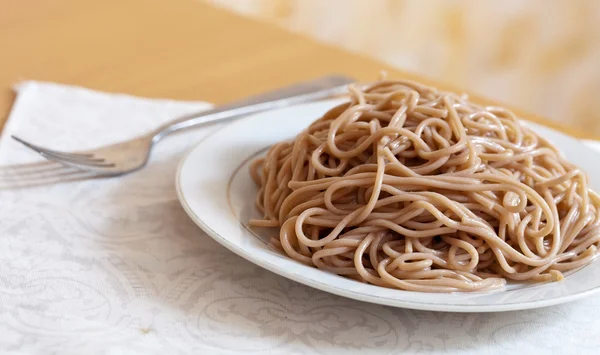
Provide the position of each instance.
(114, 266)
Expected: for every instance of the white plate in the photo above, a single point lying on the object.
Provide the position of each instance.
(216, 190)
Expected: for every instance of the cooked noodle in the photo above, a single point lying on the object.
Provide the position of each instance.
(412, 188)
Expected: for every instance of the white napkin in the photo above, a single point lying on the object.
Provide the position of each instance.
(114, 266)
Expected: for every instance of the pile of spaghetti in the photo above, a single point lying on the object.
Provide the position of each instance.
(412, 188)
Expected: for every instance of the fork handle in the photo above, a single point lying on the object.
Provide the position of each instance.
(299, 93)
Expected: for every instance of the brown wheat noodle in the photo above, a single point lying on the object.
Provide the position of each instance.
(412, 188)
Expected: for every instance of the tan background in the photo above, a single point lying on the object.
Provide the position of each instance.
(190, 50)
(540, 55)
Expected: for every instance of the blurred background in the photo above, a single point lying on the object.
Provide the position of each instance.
(539, 55)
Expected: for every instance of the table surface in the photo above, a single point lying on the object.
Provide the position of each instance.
(186, 50)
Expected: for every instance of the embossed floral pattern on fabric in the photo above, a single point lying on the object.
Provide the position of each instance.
(111, 266)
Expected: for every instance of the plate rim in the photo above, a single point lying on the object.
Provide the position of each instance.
(343, 292)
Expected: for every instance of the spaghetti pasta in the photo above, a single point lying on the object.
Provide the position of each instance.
(412, 188)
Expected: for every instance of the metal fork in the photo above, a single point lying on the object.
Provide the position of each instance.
(129, 156)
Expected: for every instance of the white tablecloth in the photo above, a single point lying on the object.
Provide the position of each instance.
(114, 266)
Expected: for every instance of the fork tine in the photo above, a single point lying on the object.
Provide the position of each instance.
(70, 156)
(75, 162)
(98, 170)
(39, 149)
(73, 157)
